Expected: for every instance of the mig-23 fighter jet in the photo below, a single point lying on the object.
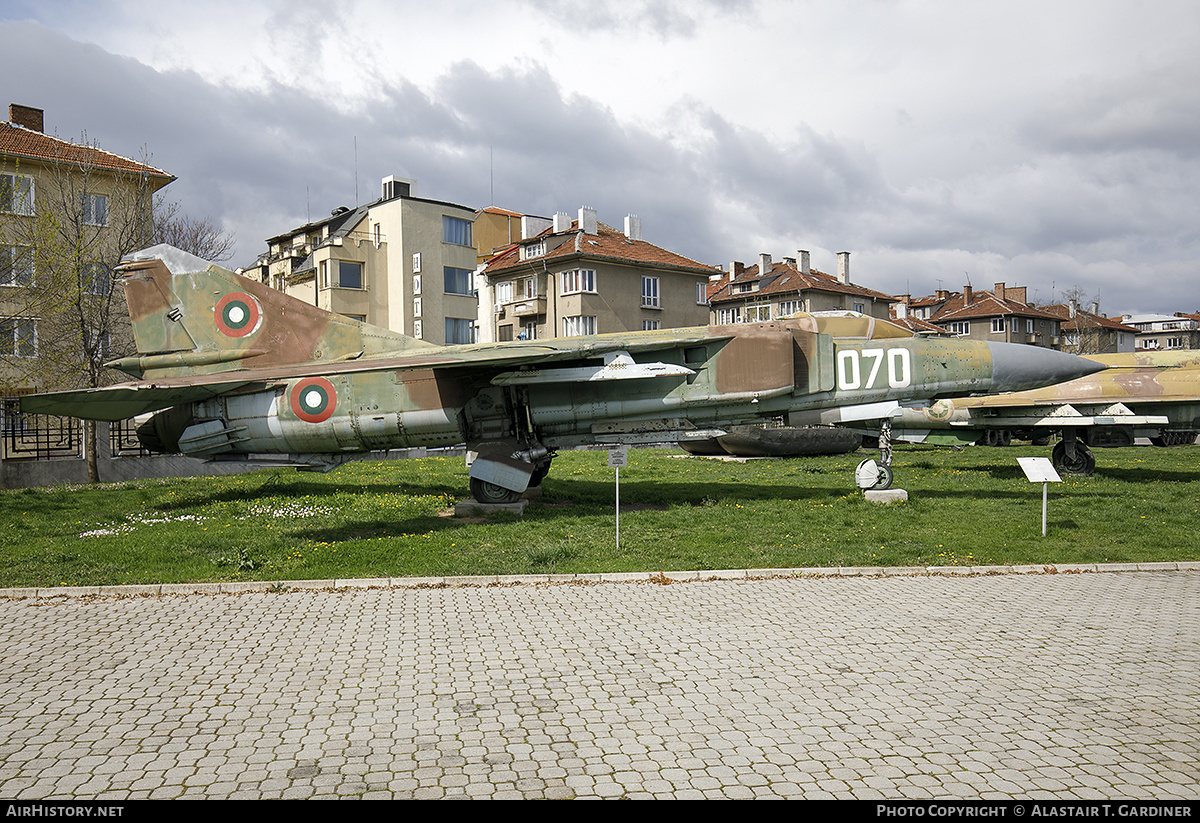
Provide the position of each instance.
(231, 369)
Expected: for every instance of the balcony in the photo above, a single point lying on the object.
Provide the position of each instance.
(528, 308)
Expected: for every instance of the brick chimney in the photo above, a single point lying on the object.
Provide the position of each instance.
(27, 116)
(968, 294)
(999, 290)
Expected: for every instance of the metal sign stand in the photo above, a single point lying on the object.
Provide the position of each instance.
(1040, 470)
(617, 458)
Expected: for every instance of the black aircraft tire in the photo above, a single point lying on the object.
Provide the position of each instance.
(485, 492)
(539, 474)
(1084, 462)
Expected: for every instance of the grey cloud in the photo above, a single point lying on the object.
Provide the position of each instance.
(666, 19)
(1157, 110)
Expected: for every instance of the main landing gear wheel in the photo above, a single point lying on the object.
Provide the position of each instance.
(1083, 462)
(485, 492)
(872, 476)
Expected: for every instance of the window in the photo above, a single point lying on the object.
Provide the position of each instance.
(18, 337)
(459, 331)
(649, 325)
(1174, 342)
(528, 288)
(95, 209)
(961, 328)
(861, 308)
(458, 281)
(456, 230)
(743, 288)
(1016, 325)
(504, 293)
(361, 318)
(650, 292)
(701, 293)
(578, 280)
(16, 193)
(505, 334)
(997, 325)
(727, 317)
(759, 313)
(578, 326)
(350, 275)
(347, 274)
(529, 331)
(789, 307)
(1029, 327)
(94, 279)
(16, 266)
(533, 250)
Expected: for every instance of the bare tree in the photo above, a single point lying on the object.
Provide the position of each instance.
(63, 318)
(198, 236)
(1087, 337)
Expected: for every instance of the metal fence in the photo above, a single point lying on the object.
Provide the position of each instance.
(37, 436)
(123, 440)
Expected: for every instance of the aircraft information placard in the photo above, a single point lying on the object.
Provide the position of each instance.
(1039, 470)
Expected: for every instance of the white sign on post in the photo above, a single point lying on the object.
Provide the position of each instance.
(1040, 470)
(617, 458)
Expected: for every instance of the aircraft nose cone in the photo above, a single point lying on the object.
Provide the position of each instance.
(1017, 367)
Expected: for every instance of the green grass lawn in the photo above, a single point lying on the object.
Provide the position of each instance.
(394, 519)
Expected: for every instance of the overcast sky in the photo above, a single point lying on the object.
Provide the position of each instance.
(1053, 144)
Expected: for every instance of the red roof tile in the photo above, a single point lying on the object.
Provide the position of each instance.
(607, 244)
(20, 142)
(784, 278)
(1085, 319)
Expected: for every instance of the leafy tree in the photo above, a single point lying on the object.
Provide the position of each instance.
(63, 317)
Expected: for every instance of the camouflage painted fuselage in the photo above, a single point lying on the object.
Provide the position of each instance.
(232, 367)
(1153, 394)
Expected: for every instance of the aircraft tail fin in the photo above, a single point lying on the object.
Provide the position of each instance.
(191, 317)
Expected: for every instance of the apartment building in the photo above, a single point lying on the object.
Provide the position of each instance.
(403, 262)
(1000, 315)
(576, 277)
(68, 213)
(1158, 332)
(770, 290)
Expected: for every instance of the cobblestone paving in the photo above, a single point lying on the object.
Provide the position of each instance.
(1036, 686)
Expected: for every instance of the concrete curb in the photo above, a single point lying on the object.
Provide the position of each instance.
(660, 578)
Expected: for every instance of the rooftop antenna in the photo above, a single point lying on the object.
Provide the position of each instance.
(356, 171)
(492, 175)
(307, 207)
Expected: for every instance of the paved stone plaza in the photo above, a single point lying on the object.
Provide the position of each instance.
(925, 686)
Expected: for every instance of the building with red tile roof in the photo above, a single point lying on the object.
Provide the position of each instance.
(1089, 332)
(769, 290)
(572, 277)
(68, 212)
(999, 315)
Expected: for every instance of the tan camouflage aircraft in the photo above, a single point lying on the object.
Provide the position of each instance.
(1148, 394)
(231, 369)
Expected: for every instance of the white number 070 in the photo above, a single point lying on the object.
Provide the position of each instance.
(851, 364)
